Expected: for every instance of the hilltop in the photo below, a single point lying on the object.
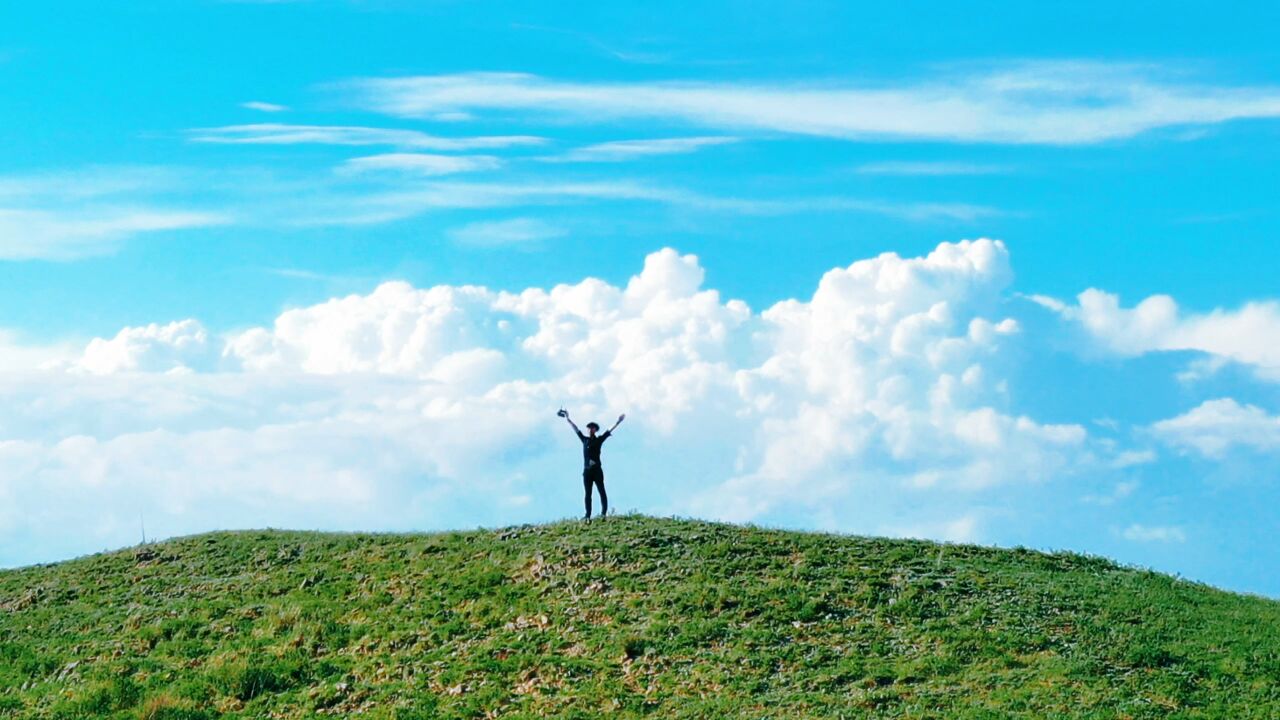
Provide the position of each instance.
(633, 616)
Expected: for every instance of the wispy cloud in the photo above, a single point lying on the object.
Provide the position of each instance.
(280, 134)
(63, 235)
(1245, 335)
(913, 211)
(85, 184)
(1120, 492)
(361, 206)
(930, 168)
(1216, 427)
(263, 106)
(421, 163)
(364, 206)
(65, 216)
(622, 150)
(1146, 533)
(518, 232)
(1042, 102)
(70, 215)
(333, 280)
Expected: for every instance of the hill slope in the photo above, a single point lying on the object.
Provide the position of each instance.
(635, 615)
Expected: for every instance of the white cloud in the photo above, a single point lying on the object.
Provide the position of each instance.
(891, 359)
(1144, 533)
(929, 168)
(621, 150)
(29, 234)
(1249, 335)
(175, 347)
(17, 355)
(396, 329)
(70, 215)
(396, 203)
(263, 106)
(505, 233)
(1042, 102)
(879, 396)
(422, 163)
(401, 201)
(1217, 426)
(913, 211)
(1120, 492)
(1133, 458)
(86, 184)
(281, 134)
(65, 216)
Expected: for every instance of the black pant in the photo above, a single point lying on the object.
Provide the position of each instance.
(594, 475)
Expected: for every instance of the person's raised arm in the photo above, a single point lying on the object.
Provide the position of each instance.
(572, 424)
(615, 425)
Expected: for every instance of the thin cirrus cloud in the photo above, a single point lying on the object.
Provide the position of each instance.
(1146, 533)
(282, 134)
(516, 232)
(412, 199)
(27, 234)
(263, 106)
(1057, 103)
(404, 200)
(421, 163)
(930, 168)
(622, 150)
(72, 215)
(38, 219)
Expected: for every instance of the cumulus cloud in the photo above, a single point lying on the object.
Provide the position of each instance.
(1248, 335)
(892, 364)
(191, 453)
(1215, 427)
(1040, 102)
(396, 329)
(175, 347)
(414, 406)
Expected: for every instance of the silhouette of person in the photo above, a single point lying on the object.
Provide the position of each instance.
(592, 472)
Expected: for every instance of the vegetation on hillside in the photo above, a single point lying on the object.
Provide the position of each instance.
(634, 616)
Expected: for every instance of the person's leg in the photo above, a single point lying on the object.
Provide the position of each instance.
(586, 491)
(604, 497)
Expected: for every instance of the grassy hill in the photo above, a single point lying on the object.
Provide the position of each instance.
(633, 616)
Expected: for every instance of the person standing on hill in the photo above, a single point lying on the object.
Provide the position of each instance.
(592, 472)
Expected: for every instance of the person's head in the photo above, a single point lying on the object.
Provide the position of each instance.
(593, 428)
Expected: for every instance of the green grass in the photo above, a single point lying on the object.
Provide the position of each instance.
(634, 616)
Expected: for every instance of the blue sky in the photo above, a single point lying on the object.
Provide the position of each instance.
(332, 264)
